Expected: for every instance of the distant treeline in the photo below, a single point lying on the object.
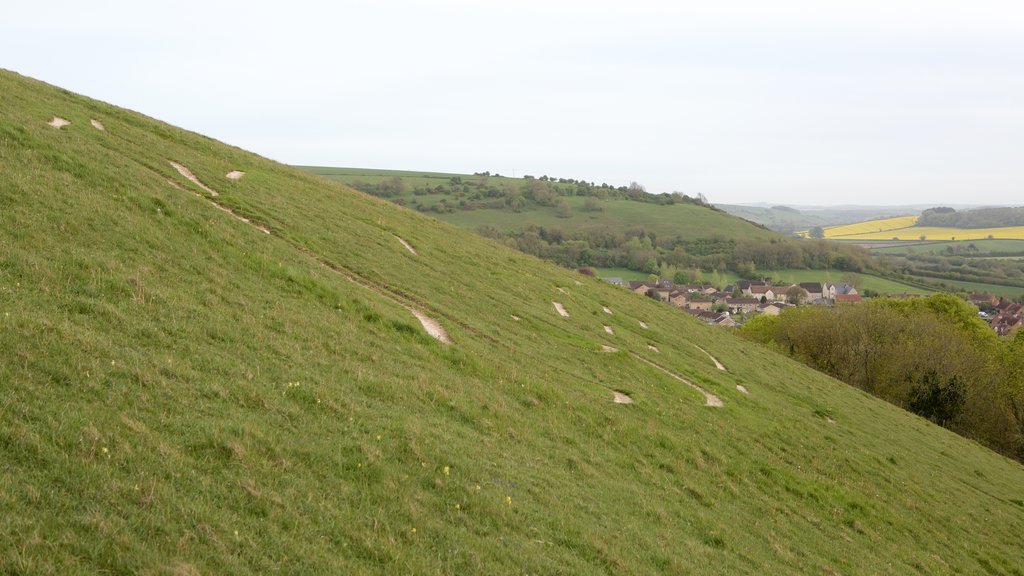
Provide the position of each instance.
(931, 356)
(944, 217)
(484, 191)
(644, 251)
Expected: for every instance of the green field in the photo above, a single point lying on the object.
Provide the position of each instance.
(982, 246)
(1011, 292)
(186, 394)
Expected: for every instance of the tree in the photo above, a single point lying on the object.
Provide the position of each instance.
(817, 232)
(796, 295)
(562, 210)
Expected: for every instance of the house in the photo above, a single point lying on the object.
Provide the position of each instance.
(742, 305)
(697, 303)
(717, 318)
(679, 298)
(814, 290)
(772, 309)
(639, 286)
(847, 298)
(782, 292)
(983, 299)
(828, 291)
(762, 291)
(843, 288)
(744, 286)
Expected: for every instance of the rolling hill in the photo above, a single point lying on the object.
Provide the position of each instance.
(213, 363)
(686, 220)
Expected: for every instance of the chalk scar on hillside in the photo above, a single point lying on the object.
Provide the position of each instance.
(742, 389)
(605, 348)
(406, 244)
(653, 348)
(560, 309)
(713, 359)
(234, 175)
(97, 124)
(644, 325)
(711, 399)
(192, 177)
(59, 122)
(607, 310)
(620, 398)
(609, 330)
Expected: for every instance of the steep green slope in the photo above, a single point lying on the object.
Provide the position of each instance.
(184, 393)
(688, 221)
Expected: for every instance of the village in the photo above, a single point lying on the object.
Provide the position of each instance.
(732, 304)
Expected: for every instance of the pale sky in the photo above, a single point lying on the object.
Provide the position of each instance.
(801, 102)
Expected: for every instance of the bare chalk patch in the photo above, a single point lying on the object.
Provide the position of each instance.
(516, 318)
(234, 175)
(560, 309)
(709, 398)
(562, 290)
(644, 325)
(609, 330)
(742, 389)
(59, 122)
(653, 348)
(607, 310)
(431, 326)
(407, 245)
(96, 124)
(192, 177)
(620, 398)
(578, 283)
(713, 359)
(605, 348)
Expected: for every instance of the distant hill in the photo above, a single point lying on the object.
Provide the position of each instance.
(972, 219)
(216, 364)
(789, 220)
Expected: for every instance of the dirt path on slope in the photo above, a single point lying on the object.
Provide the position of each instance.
(560, 309)
(406, 244)
(711, 399)
(192, 177)
(234, 214)
(713, 359)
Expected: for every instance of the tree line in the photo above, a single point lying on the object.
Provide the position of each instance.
(945, 217)
(931, 356)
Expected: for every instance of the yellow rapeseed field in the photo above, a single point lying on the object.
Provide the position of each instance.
(870, 227)
(930, 233)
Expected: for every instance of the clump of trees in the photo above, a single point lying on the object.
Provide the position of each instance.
(931, 356)
(944, 217)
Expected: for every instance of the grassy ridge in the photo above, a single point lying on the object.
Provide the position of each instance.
(684, 220)
(183, 393)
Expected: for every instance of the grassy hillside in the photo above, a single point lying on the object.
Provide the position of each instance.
(184, 393)
(684, 220)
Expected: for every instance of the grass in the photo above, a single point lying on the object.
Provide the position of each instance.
(185, 394)
(1011, 292)
(982, 246)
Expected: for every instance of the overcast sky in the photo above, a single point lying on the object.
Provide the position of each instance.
(816, 102)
